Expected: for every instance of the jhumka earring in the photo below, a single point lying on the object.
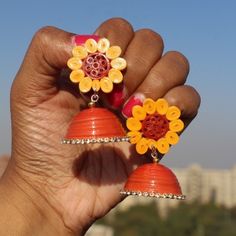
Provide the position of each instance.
(96, 66)
(153, 127)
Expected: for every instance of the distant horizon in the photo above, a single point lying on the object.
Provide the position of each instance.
(193, 164)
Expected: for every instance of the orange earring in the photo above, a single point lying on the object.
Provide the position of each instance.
(153, 127)
(95, 66)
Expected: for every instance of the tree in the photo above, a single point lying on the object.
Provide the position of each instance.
(188, 219)
(138, 220)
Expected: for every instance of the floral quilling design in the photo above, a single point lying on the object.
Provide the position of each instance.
(96, 65)
(154, 126)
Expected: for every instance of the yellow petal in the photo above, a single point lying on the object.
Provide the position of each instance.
(80, 52)
(162, 106)
(74, 63)
(119, 63)
(103, 45)
(115, 76)
(138, 112)
(91, 45)
(163, 146)
(106, 85)
(134, 136)
(172, 138)
(149, 106)
(176, 125)
(133, 124)
(113, 52)
(85, 84)
(152, 143)
(76, 76)
(173, 113)
(142, 146)
(96, 85)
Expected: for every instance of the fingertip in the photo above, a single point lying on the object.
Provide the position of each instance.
(118, 30)
(186, 98)
(117, 23)
(116, 98)
(81, 39)
(135, 99)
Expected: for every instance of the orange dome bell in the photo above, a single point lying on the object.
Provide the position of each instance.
(153, 180)
(95, 125)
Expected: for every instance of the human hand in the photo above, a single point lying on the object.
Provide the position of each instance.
(75, 185)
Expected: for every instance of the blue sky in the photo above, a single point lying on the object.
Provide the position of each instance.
(202, 30)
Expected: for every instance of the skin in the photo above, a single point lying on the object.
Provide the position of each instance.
(54, 189)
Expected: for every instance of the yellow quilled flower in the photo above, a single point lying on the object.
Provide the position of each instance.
(96, 65)
(155, 124)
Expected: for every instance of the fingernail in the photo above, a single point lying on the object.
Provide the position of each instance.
(81, 39)
(136, 99)
(117, 97)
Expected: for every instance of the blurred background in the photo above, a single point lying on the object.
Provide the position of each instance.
(204, 161)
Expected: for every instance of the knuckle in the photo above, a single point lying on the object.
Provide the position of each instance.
(178, 63)
(118, 24)
(174, 100)
(42, 35)
(150, 35)
(195, 95)
(122, 23)
(179, 59)
(158, 80)
(186, 98)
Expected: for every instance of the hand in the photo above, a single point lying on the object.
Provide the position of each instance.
(75, 185)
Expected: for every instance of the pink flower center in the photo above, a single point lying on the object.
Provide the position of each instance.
(96, 65)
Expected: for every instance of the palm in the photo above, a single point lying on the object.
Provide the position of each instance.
(94, 173)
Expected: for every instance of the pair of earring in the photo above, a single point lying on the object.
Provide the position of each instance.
(97, 66)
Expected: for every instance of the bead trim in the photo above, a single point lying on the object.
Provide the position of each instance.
(153, 194)
(95, 140)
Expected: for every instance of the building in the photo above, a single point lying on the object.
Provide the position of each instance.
(208, 184)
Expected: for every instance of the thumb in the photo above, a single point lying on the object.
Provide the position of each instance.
(38, 75)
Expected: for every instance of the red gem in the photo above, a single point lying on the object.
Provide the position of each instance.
(155, 126)
(96, 65)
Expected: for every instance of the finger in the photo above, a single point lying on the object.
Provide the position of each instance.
(142, 53)
(49, 50)
(118, 31)
(46, 56)
(186, 98)
(170, 71)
